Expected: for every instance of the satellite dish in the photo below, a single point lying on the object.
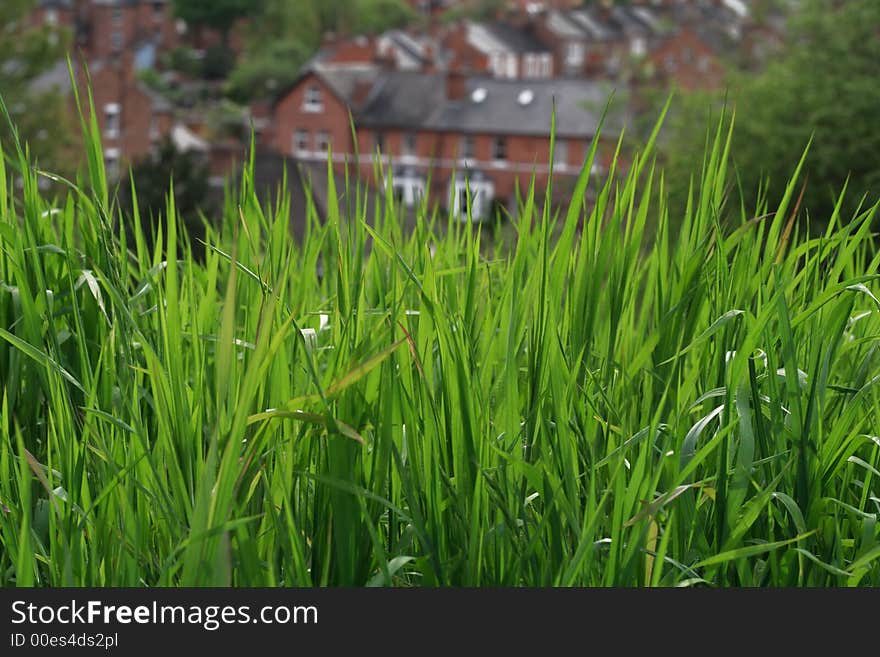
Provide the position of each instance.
(479, 95)
(526, 96)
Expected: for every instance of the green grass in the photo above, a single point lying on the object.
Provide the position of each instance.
(608, 403)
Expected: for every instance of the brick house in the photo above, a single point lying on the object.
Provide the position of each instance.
(131, 117)
(107, 27)
(499, 48)
(598, 40)
(315, 112)
(481, 136)
(54, 13)
(688, 61)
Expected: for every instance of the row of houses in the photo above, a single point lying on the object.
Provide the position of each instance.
(452, 110)
(467, 107)
(444, 134)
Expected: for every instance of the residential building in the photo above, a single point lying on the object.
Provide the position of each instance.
(475, 138)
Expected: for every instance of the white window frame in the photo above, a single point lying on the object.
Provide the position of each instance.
(409, 146)
(638, 47)
(531, 66)
(300, 142)
(560, 154)
(482, 193)
(313, 99)
(111, 162)
(497, 64)
(511, 66)
(574, 54)
(112, 125)
(323, 140)
(467, 150)
(546, 65)
(412, 188)
(500, 147)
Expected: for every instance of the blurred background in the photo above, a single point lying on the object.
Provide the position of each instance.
(446, 103)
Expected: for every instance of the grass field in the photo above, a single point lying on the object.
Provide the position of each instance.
(622, 403)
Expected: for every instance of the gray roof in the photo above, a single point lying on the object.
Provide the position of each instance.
(345, 80)
(403, 98)
(417, 101)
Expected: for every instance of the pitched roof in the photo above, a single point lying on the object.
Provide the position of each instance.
(418, 101)
(519, 40)
(578, 105)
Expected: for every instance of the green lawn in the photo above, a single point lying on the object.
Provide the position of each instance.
(619, 404)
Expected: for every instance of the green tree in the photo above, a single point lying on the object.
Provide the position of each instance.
(824, 87)
(152, 178)
(27, 53)
(283, 35)
(217, 14)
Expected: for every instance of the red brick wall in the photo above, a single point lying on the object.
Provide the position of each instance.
(465, 56)
(290, 115)
(140, 125)
(132, 23)
(689, 62)
(442, 149)
(63, 16)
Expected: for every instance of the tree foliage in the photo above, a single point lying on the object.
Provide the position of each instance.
(27, 53)
(283, 35)
(152, 176)
(217, 14)
(821, 91)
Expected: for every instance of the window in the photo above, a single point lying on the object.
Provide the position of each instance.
(574, 54)
(546, 66)
(154, 129)
(111, 162)
(511, 67)
(158, 11)
(499, 149)
(467, 148)
(410, 144)
(688, 55)
(497, 64)
(560, 153)
(531, 66)
(323, 142)
(379, 143)
(300, 142)
(408, 189)
(313, 101)
(116, 40)
(703, 64)
(637, 47)
(669, 63)
(116, 16)
(52, 17)
(111, 120)
(480, 192)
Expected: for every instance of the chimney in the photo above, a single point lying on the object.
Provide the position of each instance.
(455, 83)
